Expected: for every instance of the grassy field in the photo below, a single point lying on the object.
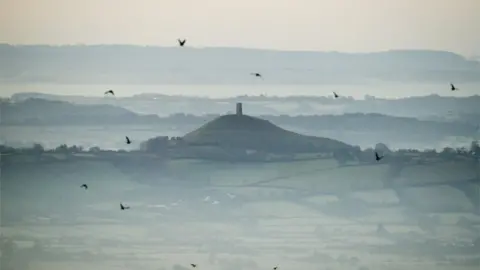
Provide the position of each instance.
(295, 215)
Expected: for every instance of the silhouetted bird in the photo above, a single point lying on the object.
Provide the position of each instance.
(127, 140)
(181, 42)
(377, 157)
(193, 265)
(122, 207)
(84, 186)
(275, 268)
(110, 92)
(453, 88)
(335, 95)
(257, 75)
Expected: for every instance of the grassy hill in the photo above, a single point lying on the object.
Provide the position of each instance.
(251, 133)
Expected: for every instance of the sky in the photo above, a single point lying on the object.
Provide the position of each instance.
(323, 25)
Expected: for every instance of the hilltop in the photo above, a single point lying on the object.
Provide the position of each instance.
(126, 64)
(251, 133)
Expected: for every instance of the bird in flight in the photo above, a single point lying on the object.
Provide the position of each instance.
(181, 42)
(84, 186)
(452, 87)
(193, 265)
(122, 207)
(335, 95)
(257, 75)
(127, 140)
(275, 268)
(377, 157)
(110, 92)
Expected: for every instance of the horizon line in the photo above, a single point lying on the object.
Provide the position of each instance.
(240, 96)
(229, 47)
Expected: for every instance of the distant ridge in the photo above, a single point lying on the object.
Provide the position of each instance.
(128, 64)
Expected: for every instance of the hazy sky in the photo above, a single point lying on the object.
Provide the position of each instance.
(339, 25)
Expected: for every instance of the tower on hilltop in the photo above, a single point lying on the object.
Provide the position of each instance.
(239, 109)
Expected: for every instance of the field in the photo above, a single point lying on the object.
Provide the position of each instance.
(309, 214)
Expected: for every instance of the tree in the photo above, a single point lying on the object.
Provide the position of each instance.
(382, 149)
(37, 150)
(447, 153)
(63, 149)
(475, 149)
(94, 149)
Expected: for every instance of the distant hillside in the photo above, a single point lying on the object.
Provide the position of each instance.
(125, 64)
(247, 132)
(50, 112)
(433, 107)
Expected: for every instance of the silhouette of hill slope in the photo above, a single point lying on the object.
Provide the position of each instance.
(41, 111)
(127, 64)
(247, 132)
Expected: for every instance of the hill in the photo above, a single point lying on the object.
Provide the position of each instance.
(360, 129)
(50, 112)
(125, 64)
(443, 108)
(251, 133)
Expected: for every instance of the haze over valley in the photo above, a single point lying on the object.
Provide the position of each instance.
(239, 135)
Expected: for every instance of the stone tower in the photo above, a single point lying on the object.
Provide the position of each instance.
(239, 109)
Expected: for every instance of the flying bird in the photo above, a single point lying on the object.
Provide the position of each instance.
(335, 95)
(84, 186)
(110, 92)
(127, 140)
(257, 75)
(122, 207)
(377, 157)
(181, 42)
(452, 87)
(275, 268)
(193, 265)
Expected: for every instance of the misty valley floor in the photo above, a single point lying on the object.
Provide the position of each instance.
(180, 221)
